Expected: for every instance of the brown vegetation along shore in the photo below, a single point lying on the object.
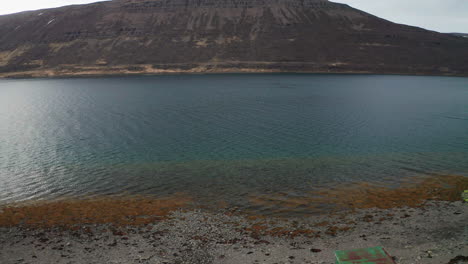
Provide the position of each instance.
(119, 211)
(412, 192)
(433, 234)
(421, 222)
(139, 210)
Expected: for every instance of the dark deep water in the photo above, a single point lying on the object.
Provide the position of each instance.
(225, 137)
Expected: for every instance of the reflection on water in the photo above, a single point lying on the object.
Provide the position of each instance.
(226, 137)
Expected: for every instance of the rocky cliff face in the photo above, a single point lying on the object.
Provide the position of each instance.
(151, 36)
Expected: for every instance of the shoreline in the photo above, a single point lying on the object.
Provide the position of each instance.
(435, 233)
(134, 210)
(419, 223)
(148, 70)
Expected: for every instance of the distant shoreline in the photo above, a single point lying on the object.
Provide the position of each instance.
(149, 71)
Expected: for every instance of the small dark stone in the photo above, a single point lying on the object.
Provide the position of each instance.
(315, 250)
(291, 257)
(88, 249)
(250, 252)
(459, 260)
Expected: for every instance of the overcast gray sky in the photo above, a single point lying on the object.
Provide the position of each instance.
(14, 6)
(439, 15)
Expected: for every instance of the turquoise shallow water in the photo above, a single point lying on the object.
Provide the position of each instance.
(225, 137)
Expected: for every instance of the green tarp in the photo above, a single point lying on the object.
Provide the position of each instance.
(375, 255)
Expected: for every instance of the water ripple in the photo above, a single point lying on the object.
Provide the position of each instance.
(226, 137)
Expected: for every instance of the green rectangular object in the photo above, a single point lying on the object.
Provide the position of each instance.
(375, 255)
(465, 196)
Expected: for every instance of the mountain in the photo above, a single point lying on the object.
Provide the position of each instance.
(460, 34)
(156, 36)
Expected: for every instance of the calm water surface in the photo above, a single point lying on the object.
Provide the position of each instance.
(226, 137)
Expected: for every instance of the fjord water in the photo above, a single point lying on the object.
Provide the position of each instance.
(226, 137)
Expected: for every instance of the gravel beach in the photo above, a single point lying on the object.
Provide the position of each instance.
(436, 233)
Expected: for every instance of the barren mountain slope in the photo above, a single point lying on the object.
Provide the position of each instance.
(151, 36)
